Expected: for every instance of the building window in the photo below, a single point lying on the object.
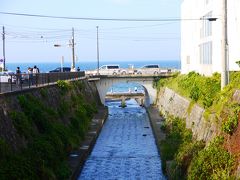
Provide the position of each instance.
(206, 53)
(206, 29)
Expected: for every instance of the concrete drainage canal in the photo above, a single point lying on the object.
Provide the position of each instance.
(125, 148)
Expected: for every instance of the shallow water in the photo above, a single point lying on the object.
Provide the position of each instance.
(125, 148)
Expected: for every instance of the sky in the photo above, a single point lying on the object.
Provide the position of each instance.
(32, 39)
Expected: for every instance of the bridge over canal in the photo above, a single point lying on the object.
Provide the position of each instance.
(104, 83)
(139, 96)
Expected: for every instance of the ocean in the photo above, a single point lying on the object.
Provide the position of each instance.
(84, 65)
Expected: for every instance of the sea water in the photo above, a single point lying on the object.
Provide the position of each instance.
(85, 65)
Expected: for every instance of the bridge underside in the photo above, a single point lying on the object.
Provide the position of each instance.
(105, 83)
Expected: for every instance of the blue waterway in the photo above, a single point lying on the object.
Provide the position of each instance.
(125, 148)
(45, 67)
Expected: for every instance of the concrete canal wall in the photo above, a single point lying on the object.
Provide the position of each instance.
(62, 104)
(171, 103)
(9, 102)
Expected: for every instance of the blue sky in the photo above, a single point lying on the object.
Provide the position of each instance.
(31, 39)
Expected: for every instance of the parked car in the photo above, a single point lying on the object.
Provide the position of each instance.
(148, 69)
(59, 69)
(6, 76)
(110, 69)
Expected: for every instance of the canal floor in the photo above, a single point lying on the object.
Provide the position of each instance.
(125, 148)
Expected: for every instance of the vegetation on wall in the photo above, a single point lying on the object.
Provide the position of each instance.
(49, 137)
(190, 159)
(178, 147)
(199, 88)
(213, 162)
(230, 123)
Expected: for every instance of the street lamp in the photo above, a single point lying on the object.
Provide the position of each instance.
(72, 45)
(224, 60)
(224, 74)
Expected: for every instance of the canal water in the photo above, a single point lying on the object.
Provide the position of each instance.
(125, 148)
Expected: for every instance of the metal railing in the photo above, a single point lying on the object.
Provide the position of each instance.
(14, 82)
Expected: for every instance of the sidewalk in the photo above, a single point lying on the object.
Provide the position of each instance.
(77, 158)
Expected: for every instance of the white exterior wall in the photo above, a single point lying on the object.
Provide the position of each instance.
(191, 35)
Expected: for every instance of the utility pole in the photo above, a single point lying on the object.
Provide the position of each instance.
(4, 56)
(97, 53)
(73, 50)
(224, 74)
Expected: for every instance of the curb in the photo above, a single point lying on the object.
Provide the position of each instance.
(156, 122)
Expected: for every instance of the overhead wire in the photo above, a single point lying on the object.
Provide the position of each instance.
(40, 34)
(96, 19)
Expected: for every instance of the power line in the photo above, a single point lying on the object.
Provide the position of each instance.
(97, 19)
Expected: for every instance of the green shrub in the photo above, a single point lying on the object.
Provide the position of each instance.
(48, 139)
(230, 125)
(164, 127)
(22, 124)
(186, 153)
(199, 88)
(43, 92)
(4, 150)
(17, 166)
(213, 162)
(63, 172)
(176, 135)
(90, 109)
(63, 85)
(195, 93)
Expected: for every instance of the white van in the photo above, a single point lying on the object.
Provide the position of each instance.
(110, 69)
(148, 69)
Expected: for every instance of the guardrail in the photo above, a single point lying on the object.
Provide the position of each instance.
(13, 82)
(131, 72)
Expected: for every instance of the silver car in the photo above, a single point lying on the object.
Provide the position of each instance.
(148, 69)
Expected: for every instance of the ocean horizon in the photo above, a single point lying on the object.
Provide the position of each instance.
(90, 65)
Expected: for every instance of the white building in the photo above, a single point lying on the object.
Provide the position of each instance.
(201, 40)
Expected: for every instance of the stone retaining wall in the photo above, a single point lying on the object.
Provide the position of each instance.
(171, 103)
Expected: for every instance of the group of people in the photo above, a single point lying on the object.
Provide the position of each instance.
(31, 75)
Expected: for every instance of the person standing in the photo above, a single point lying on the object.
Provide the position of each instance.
(35, 70)
(35, 74)
(18, 76)
(30, 76)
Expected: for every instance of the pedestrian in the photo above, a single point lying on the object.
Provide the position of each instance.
(78, 69)
(35, 70)
(30, 76)
(35, 75)
(18, 76)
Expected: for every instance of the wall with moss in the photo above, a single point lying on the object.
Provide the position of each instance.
(39, 127)
(171, 103)
(212, 115)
